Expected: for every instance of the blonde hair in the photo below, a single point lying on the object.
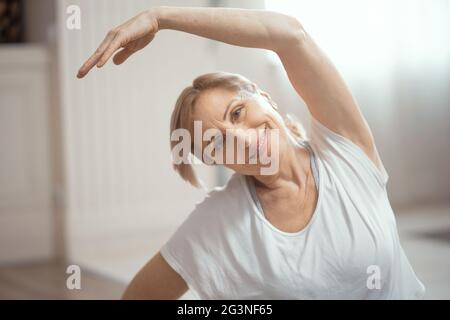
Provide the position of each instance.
(181, 115)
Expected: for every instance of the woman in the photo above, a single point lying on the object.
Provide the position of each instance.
(321, 226)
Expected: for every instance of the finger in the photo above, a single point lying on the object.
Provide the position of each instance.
(121, 56)
(90, 63)
(131, 48)
(93, 59)
(115, 45)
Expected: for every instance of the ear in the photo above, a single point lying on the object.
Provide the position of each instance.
(267, 96)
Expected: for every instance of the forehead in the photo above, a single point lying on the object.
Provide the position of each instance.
(212, 103)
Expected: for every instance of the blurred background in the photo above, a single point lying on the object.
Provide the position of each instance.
(85, 169)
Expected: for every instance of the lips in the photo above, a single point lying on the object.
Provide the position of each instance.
(262, 138)
(262, 141)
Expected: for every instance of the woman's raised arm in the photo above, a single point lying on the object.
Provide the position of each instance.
(240, 27)
(310, 71)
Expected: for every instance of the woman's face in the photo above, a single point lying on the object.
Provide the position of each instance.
(241, 121)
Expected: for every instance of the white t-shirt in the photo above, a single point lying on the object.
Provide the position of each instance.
(350, 249)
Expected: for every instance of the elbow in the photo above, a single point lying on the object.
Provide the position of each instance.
(293, 34)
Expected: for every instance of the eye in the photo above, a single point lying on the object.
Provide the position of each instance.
(235, 114)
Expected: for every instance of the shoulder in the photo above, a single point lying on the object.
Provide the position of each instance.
(210, 222)
(220, 199)
(326, 135)
(341, 151)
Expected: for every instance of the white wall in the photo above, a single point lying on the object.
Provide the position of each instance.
(26, 216)
(119, 180)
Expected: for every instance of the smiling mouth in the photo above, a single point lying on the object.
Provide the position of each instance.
(262, 141)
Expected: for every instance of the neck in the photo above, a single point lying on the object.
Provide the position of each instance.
(294, 167)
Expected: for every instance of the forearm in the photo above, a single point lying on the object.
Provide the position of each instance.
(241, 27)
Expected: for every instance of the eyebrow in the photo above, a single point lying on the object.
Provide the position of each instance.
(228, 107)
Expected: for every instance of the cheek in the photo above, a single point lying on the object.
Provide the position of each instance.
(276, 118)
(264, 112)
(257, 115)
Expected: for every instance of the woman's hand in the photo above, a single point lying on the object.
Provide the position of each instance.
(131, 36)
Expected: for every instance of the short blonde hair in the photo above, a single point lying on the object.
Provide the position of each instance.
(182, 114)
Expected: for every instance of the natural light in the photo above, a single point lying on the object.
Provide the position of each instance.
(375, 35)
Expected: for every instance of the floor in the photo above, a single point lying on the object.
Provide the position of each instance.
(425, 237)
(47, 280)
(424, 233)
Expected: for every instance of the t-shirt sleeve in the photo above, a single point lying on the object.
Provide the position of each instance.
(189, 251)
(342, 152)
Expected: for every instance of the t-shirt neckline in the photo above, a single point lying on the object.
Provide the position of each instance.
(258, 209)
